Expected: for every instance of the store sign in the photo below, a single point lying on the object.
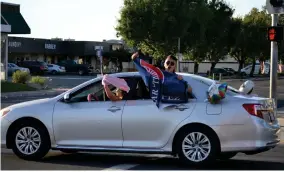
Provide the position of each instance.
(15, 44)
(50, 46)
(98, 47)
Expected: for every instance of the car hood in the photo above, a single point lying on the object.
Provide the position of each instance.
(31, 103)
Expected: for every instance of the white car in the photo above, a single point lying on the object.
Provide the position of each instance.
(247, 69)
(197, 131)
(55, 69)
(12, 67)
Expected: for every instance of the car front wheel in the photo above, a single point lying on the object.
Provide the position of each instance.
(30, 141)
(197, 146)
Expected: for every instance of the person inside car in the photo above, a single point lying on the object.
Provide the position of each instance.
(169, 66)
(119, 93)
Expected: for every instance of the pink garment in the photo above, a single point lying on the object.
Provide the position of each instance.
(117, 82)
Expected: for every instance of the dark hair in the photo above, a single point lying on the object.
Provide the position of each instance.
(172, 57)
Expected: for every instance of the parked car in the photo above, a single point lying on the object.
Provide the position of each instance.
(14, 68)
(230, 70)
(37, 67)
(72, 67)
(224, 72)
(246, 70)
(55, 69)
(197, 131)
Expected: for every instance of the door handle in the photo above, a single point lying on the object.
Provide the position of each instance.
(114, 109)
(181, 107)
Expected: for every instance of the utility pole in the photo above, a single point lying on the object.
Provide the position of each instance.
(273, 63)
(178, 56)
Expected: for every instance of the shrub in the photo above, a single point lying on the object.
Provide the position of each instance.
(20, 77)
(38, 80)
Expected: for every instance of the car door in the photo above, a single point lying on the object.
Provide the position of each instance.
(82, 123)
(146, 126)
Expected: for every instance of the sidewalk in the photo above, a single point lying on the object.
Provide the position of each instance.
(52, 92)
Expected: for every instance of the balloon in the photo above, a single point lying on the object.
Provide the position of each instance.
(216, 92)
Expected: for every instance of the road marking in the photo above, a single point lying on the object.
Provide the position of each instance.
(121, 167)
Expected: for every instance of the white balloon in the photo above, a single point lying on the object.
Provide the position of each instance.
(247, 87)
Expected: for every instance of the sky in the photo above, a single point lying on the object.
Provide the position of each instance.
(86, 20)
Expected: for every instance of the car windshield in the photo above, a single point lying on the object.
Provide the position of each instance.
(13, 65)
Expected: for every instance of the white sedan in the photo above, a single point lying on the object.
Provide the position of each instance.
(55, 69)
(197, 131)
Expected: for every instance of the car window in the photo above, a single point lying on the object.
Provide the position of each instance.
(49, 65)
(95, 88)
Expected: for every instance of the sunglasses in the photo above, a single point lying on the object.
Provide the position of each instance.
(169, 63)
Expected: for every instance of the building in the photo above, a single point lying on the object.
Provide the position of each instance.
(12, 22)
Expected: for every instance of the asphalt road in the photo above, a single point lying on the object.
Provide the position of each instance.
(271, 160)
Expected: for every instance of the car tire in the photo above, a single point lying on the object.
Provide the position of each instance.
(198, 152)
(54, 72)
(81, 72)
(226, 155)
(33, 144)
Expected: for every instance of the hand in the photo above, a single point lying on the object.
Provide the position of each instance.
(189, 89)
(134, 55)
(179, 77)
(90, 97)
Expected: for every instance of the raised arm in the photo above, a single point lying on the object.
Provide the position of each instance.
(110, 94)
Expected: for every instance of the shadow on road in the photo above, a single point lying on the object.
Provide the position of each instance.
(154, 163)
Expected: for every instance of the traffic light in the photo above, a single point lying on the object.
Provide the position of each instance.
(275, 6)
(275, 33)
(276, 3)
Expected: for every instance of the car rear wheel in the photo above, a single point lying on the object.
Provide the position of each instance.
(30, 141)
(197, 146)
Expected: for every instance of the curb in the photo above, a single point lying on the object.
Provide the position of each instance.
(33, 93)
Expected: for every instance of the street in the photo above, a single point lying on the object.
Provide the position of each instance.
(55, 160)
(271, 160)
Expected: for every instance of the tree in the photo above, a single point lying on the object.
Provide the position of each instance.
(156, 25)
(257, 22)
(217, 31)
(238, 41)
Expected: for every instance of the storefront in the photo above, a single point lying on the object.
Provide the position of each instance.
(12, 22)
(53, 51)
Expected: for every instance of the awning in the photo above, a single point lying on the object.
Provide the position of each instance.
(16, 21)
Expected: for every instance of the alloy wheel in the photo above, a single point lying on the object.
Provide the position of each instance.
(28, 140)
(196, 146)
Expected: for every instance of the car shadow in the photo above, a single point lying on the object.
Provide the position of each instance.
(156, 163)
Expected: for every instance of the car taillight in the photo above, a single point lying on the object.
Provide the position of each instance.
(254, 109)
(41, 67)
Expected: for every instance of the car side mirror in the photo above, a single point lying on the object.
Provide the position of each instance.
(67, 97)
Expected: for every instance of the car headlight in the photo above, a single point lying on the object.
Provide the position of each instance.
(4, 112)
